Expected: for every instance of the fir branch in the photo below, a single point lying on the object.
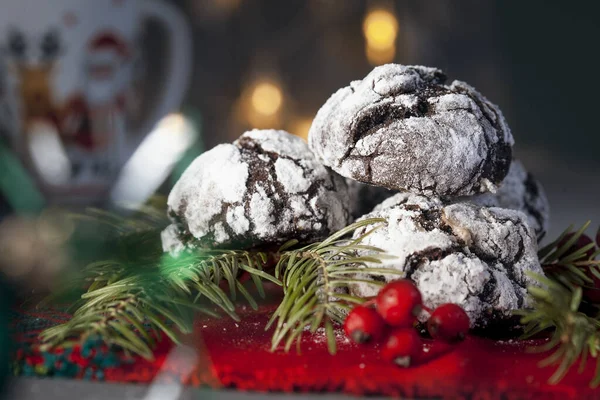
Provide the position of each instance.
(140, 288)
(558, 305)
(312, 277)
(118, 314)
(570, 269)
(575, 334)
(125, 244)
(199, 274)
(156, 295)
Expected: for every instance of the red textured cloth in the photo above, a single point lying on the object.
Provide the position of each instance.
(236, 355)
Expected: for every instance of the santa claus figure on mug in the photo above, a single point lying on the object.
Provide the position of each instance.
(95, 117)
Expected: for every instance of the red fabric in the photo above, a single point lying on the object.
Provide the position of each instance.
(237, 355)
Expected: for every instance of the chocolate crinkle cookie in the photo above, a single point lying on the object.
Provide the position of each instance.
(404, 128)
(520, 191)
(264, 189)
(363, 198)
(476, 257)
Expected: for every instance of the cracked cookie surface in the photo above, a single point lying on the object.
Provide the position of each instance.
(264, 189)
(520, 191)
(476, 257)
(403, 128)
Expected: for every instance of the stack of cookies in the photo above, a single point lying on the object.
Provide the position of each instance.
(463, 218)
(433, 159)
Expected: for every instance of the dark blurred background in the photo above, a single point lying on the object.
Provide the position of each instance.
(536, 59)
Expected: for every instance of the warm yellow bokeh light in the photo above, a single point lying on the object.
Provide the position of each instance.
(379, 57)
(300, 127)
(266, 98)
(380, 28)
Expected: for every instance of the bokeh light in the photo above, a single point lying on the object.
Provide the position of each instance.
(153, 160)
(380, 28)
(266, 98)
(300, 127)
(33, 249)
(378, 57)
(262, 104)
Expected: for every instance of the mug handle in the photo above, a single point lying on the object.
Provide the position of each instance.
(179, 59)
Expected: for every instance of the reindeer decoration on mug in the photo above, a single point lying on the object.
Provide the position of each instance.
(35, 77)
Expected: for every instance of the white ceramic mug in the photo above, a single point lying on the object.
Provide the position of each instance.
(67, 73)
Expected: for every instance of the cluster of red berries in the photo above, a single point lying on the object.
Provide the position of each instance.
(591, 293)
(393, 318)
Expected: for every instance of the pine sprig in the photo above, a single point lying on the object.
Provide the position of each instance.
(125, 300)
(576, 335)
(314, 277)
(122, 313)
(199, 274)
(558, 305)
(141, 289)
(566, 267)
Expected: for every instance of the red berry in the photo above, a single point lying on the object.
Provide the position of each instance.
(448, 322)
(363, 324)
(399, 303)
(582, 241)
(402, 346)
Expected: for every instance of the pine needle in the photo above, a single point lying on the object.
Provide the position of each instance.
(312, 276)
(557, 305)
(140, 290)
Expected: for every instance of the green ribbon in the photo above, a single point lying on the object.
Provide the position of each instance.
(17, 185)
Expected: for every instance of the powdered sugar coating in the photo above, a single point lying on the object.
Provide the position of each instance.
(215, 177)
(462, 276)
(264, 189)
(171, 243)
(291, 176)
(520, 191)
(461, 253)
(402, 128)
